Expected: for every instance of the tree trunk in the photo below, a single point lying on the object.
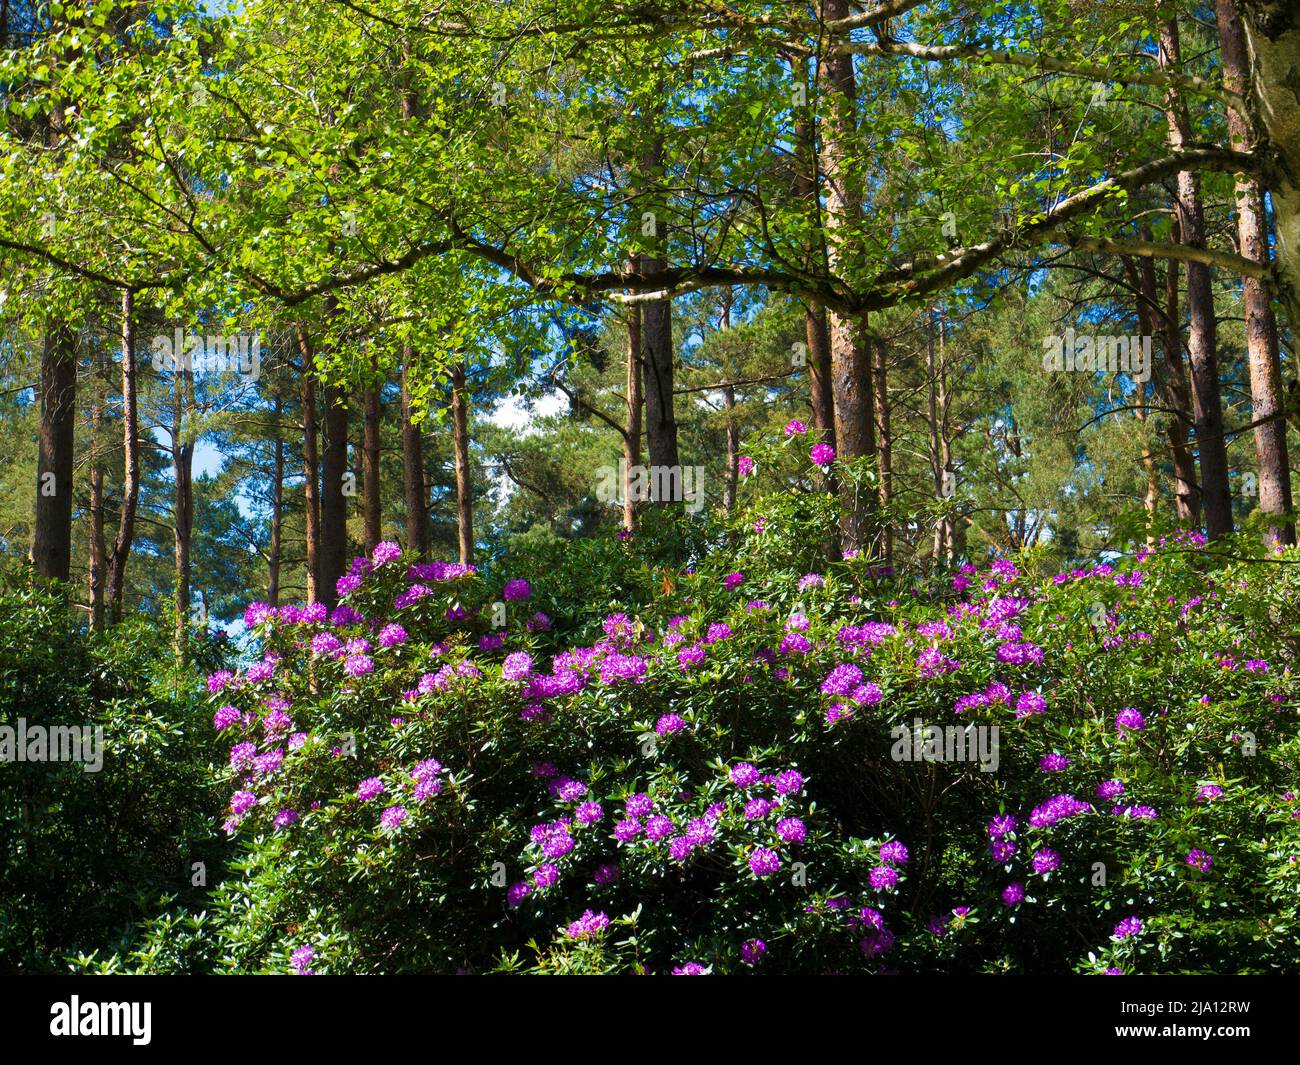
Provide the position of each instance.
(733, 451)
(817, 335)
(131, 462)
(1150, 472)
(96, 570)
(1207, 405)
(370, 463)
(657, 340)
(1187, 493)
(850, 358)
(1266, 396)
(52, 530)
(460, 442)
(1273, 43)
(884, 452)
(932, 427)
(310, 468)
(277, 506)
(333, 501)
(816, 330)
(632, 426)
(182, 502)
(417, 508)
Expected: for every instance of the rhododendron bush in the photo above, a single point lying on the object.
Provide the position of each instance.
(737, 766)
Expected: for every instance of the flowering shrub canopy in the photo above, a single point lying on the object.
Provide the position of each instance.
(418, 790)
(764, 763)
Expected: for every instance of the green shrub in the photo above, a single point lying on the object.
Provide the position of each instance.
(86, 855)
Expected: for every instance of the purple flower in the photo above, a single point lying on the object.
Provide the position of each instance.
(219, 680)
(1130, 926)
(369, 788)
(627, 829)
(792, 830)
(744, 775)
(276, 723)
(752, 951)
(1053, 763)
(893, 852)
(933, 663)
(391, 818)
(588, 925)
(1110, 789)
(225, 717)
(700, 831)
(638, 805)
(744, 465)
(689, 657)
(1045, 860)
(668, 724)
(1001, 826)
(242, 755)
(615, 667)
(876, 942)
(794, 427)
(1057, 808)
(516, 590)
(301, 959)
(733, 580)
(842, 680)
(1209, 792)
(588, 813)
(658, 827)
(359, 665)
(241, 802)
(346, 585)
(1198, 859)
(606, 874)
(1020, 654)
(385, 552)
(883, 877)
(517, 666)
(427, 788)
(392, 635)
(691, 968)
(1029, 704)
(795, 643)
(788, 782)
(764, 862)
(1130, 719)
(822, 455)
(718, 631)
(256, 613)
(325, 643)
(545, 875)
(679, 848)
(1013, 895)
(516, 892)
